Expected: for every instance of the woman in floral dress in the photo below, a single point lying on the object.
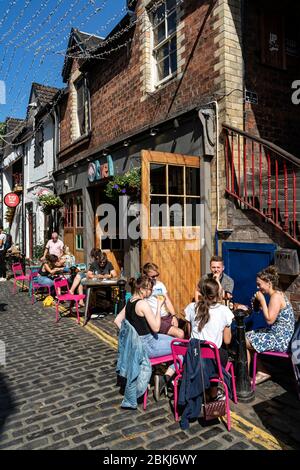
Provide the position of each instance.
(278, 314)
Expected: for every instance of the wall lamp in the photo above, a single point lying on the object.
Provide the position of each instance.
(153, 131)
(75, 165)
(126, 143)
(105, 152)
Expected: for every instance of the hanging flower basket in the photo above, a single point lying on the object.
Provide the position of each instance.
(128, 184)
(49, 202)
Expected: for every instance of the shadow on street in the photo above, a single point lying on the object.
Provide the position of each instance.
(6, 403)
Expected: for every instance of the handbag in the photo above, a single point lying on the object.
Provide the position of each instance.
(211, 409)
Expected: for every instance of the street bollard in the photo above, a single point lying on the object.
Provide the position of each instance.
(243, 386)
(122, 294)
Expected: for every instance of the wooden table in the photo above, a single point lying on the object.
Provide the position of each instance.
(96, 284)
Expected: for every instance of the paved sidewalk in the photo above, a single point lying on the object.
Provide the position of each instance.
(58, 391)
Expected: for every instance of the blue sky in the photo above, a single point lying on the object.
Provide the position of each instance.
(33, 38)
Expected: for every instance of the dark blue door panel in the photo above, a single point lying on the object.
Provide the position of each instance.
(242, 262)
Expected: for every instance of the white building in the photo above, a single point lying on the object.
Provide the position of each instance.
(35, 148)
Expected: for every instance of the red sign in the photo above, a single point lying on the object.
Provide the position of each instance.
(11, 200)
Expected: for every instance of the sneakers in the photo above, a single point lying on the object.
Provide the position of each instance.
(2, 279)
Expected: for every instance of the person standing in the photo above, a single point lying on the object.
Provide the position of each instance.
(54, 247)
(2, 255)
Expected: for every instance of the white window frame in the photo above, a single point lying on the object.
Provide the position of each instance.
(155, 49)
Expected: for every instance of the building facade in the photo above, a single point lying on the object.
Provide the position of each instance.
(157, 94)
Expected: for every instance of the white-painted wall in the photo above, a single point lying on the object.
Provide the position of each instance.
(40, 176)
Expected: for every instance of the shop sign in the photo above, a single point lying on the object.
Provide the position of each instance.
(11, 200)
(96, 171)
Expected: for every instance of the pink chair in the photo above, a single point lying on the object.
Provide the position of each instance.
(19, 275)
(154, 362)
(283, 355)
(34, 284)
(208, 351)
(59, 284)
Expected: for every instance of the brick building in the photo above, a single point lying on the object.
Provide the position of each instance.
(155, 94)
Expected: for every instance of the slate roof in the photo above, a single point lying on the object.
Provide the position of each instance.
(79, 40)
(44, 93)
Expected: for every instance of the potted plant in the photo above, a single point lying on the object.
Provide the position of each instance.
(49, 202)
(128, 184)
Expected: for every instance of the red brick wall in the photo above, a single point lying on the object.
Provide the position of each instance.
(116, 106)
(274, 118)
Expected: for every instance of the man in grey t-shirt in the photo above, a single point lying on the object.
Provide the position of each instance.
(217, 272)
(2, 255)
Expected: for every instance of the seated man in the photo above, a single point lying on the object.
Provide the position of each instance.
(217, 272)
(101, 268)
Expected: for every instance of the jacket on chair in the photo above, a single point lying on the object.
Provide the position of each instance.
(133, 364)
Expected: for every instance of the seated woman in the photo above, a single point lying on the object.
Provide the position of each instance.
(209, 320)
(147, 324)
(278, 314)
(48, 271)
(169, 322)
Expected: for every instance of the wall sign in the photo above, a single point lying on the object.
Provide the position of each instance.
(11, 200)
(96, 170)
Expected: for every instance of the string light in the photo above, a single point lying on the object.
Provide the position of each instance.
(16, 21)
(84, 55)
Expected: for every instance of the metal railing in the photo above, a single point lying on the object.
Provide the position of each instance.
(265, 178)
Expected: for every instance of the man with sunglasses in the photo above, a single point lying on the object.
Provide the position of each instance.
(169, 322)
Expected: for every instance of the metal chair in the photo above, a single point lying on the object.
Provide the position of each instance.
(34, 285)
(283, 355)
(59, 284)
(208, 351)
(154, 361)
(19, 275)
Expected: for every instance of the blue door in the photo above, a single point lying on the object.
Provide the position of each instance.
(242, 262)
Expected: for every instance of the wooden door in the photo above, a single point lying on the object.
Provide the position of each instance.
(174, 247)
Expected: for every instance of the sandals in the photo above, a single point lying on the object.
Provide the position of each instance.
(261, 377)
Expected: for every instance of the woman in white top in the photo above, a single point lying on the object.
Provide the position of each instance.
(208, 319)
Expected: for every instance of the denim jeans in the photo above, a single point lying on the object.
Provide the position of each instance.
(45, 281)
(157, 345)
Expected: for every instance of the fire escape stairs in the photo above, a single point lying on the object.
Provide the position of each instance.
(263, 178)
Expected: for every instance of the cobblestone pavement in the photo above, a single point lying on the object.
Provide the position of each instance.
(58, 391)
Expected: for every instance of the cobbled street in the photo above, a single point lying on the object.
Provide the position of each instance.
(58, 390)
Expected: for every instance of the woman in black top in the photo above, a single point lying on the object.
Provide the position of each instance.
(147, 324)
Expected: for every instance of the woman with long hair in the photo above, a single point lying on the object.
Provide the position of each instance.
(208, 319)
(49, 270)
(147, 324)
(278, 314)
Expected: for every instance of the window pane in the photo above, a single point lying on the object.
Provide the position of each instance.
(163, 68)
(193, 212)
(162, 52)
(172, 23)
(159, 33)
(173, 62)
(175, 179)
(192, 181)
(176, 206)
(158, 211)
(173, 44)
(79, 241)
(157, 179)
(170, 4)
(159, 14)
